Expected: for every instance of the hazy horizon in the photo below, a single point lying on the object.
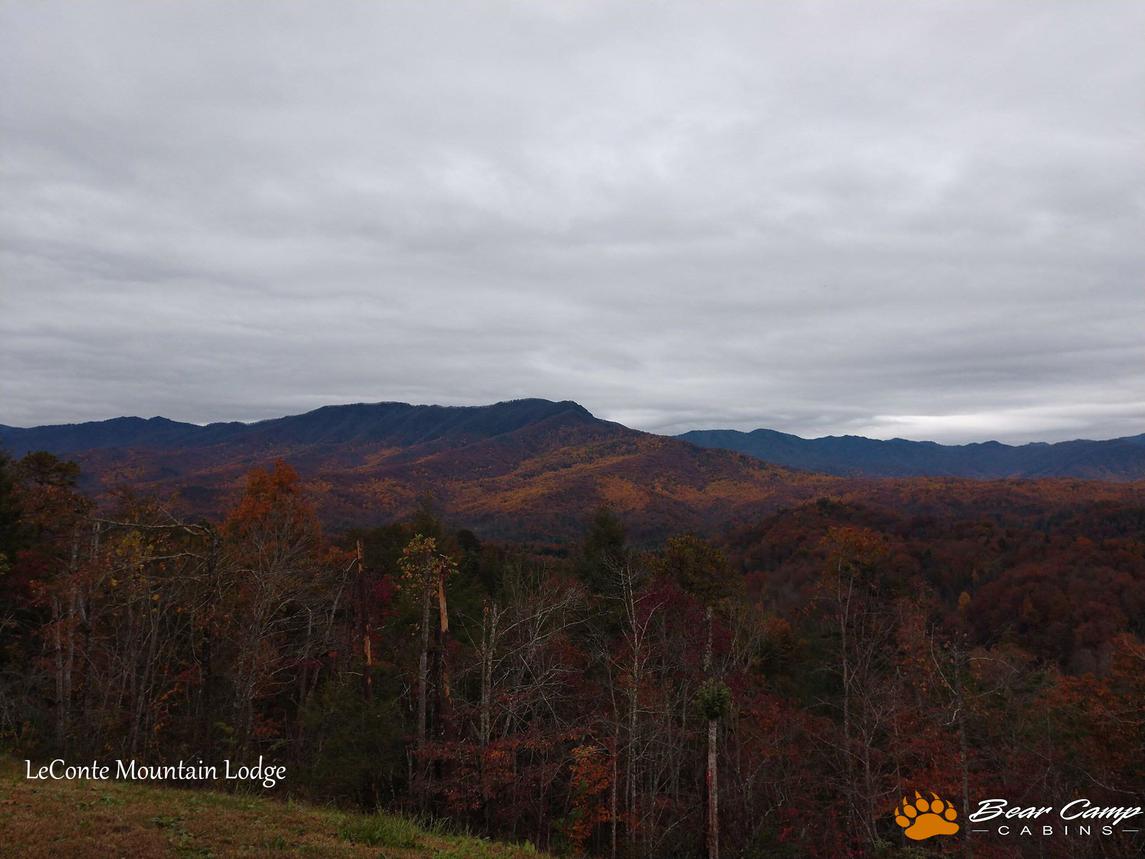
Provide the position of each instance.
(551, 399)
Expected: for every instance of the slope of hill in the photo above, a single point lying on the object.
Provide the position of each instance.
(111, 818)
(534, 469)
(525, 468)
(1115, 459)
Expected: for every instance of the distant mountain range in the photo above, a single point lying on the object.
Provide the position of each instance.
(535, 469)
(848, 455)
(530, 468)
(402, 425)
(395, 424)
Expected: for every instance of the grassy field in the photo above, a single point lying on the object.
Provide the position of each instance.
(106, 819)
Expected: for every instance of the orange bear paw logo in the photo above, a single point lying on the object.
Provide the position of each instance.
(924, 818)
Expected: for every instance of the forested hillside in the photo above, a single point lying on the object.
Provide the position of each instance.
(816, 664)
(521, 469)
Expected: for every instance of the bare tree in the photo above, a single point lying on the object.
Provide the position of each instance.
(424, 569)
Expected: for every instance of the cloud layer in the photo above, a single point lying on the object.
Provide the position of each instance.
(923, 220)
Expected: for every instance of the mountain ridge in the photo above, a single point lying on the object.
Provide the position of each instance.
(333, 424)
(1121, 459)
(527, 468)
(523, 469)
(402, 425)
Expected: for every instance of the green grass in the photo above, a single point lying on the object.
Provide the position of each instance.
(50, 820)
(381, 830)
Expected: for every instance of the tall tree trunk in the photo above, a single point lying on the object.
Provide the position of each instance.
(633, 703)
(712, 777)
(58, 648)
(963, 759)
(442, 703)
(85, 619)
(423, 688)
(868, 789)
(443, 695)
(364, 626)
(64, 644)
(489, 617)
(613, 790)
(844, 615)
(488, 644)
(630, 776)
(713, 795)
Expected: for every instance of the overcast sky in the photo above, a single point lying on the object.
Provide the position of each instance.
(892, 219)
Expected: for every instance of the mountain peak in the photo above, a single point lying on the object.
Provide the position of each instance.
(389, 423)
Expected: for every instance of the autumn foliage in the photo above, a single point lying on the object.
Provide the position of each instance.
(820, 661)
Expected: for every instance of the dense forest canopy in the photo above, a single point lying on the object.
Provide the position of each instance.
(818, 664)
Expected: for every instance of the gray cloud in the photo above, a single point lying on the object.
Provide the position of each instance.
(882, 218)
